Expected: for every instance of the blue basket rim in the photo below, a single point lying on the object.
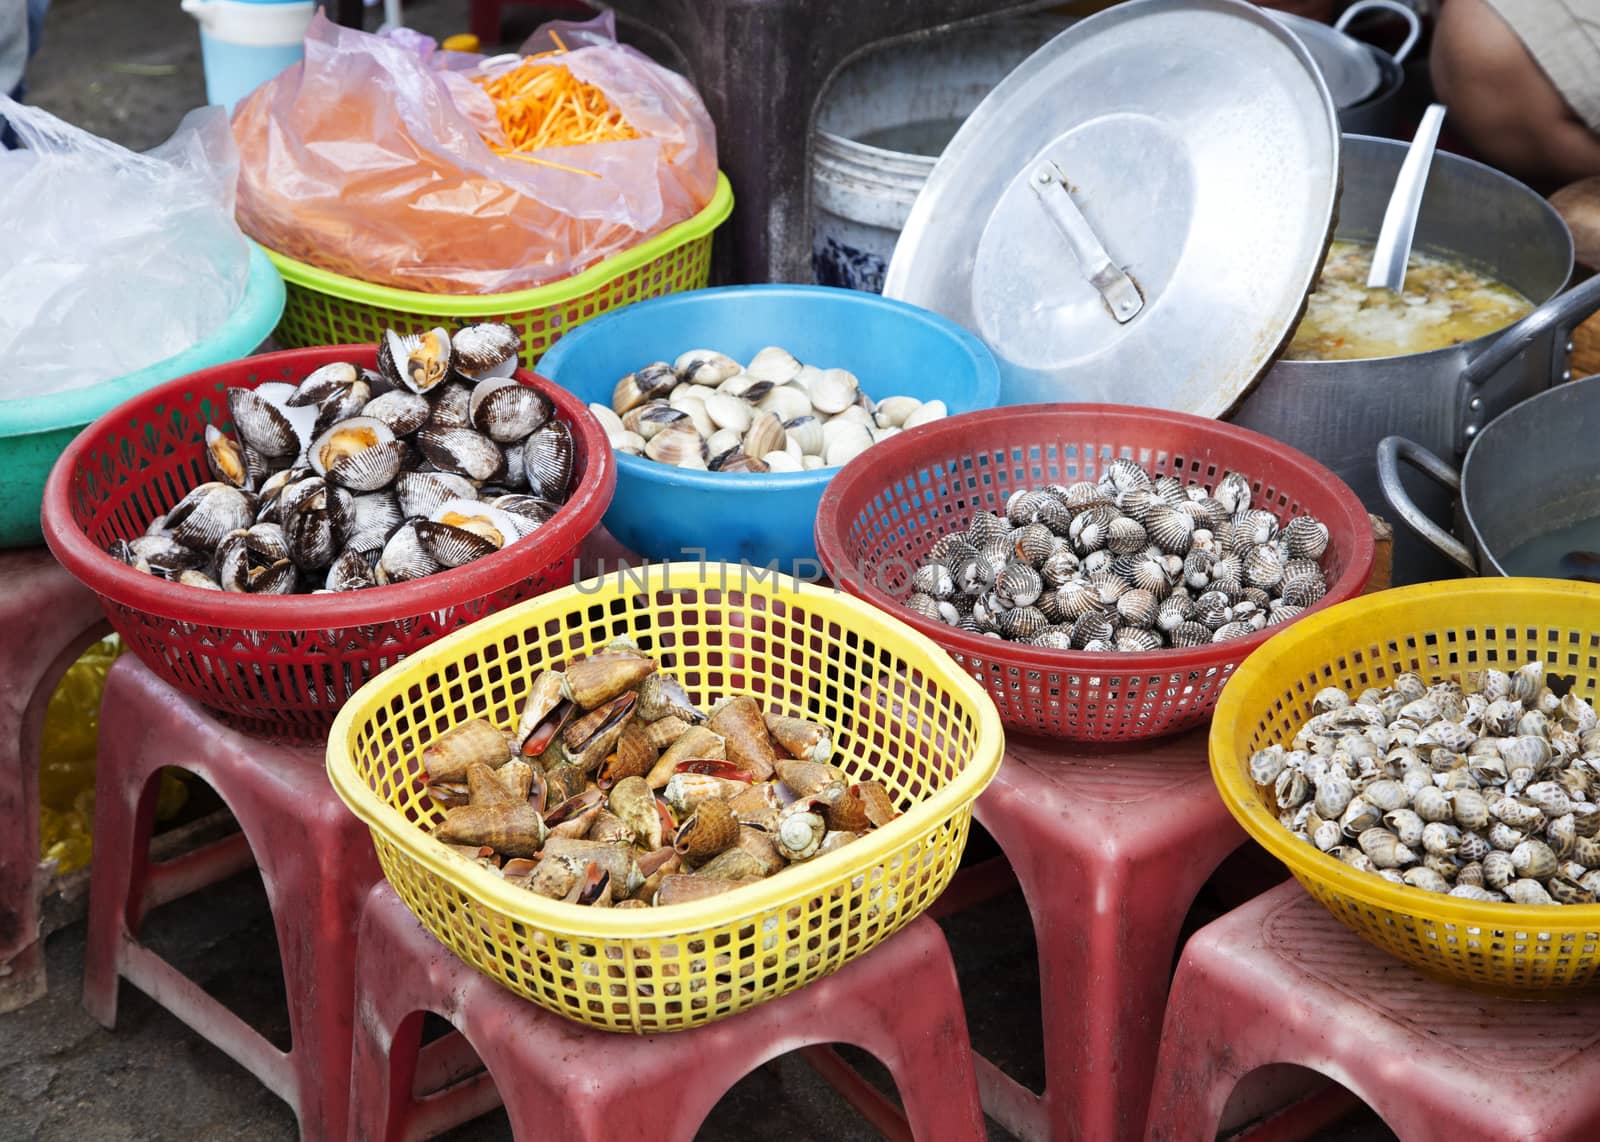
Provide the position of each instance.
(986, 392)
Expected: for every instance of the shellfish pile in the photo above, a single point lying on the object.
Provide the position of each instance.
(707, 411)
(615, 790)
(1486, 794)
(355, 478)
(1131, 562)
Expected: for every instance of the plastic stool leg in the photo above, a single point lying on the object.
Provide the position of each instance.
(1195, 1073)
(124, 817)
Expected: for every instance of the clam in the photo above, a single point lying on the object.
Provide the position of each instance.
(209, 512)
(325, 383)
(649, 383)
(267, 424)
(833, 390)
(231, 462)
(506, 411)
(488, 349)
(351, 570)
(459, 531)
(462, 451)
(361, 453)
(844, 442)
(419, 362)
(419, 493)
(404, 557)
(765, 434)
(549, 455)
(674, 446)
(705, 367)
(775, 365)
(786, 402)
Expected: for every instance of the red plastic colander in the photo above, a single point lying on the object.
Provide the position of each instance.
(887, 507)
(279, 665)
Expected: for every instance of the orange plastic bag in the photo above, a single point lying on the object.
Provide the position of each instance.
(370, 159)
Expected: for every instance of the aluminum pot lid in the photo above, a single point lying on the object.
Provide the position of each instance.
(1136, 213)
(1347, 65)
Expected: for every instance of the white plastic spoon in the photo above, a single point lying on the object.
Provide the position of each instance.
(1400, 218)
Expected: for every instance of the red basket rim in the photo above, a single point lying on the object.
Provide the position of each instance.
(863, 474)
(121, 584)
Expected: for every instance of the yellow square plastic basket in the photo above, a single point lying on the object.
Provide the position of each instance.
(1441, 631)
(325, 308)
(902, 712)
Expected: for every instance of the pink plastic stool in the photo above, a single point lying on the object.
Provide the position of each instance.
(1281, 981)
(900, 1001)
(46, 621)
(316, 860)
(1110, 846)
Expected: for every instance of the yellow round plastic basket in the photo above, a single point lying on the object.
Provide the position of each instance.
(1442, 631)
(901, 710)
(325, 308)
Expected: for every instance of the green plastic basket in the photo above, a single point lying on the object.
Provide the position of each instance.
(325, 308)
(34, 430)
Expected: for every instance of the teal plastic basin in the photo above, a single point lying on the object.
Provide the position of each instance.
(34, 430)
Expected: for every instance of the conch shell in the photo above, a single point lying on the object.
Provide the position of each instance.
(575, 816)
(739, 721)
(804, 740)
(635, 803)
(601, 677)
(709, 830)
(484, 786)
(681, 889)
(697, 744)
(634, 755)
(811, 779)
(588, 740)
(447, 757)
(544, 715)
(512, 830)
(860, 807)
(733, 864)
(662, 732)
(663, 696)
(616, 859)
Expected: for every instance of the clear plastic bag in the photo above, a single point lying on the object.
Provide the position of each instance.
(113, 260)
(369, 160)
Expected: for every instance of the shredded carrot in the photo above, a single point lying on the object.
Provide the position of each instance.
(542, 104)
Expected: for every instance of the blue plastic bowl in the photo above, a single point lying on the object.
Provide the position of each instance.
(664, 512)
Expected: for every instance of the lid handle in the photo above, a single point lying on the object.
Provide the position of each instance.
(1116, 288)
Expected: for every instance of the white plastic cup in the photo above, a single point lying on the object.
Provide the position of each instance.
(243, 43)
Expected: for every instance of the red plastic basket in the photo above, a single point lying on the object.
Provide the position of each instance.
(279, 665)
(885, 509)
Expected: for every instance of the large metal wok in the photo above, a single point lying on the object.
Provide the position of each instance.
(1338, 411)
(1533, 471)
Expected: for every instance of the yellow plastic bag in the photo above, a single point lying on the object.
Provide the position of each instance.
(67, 762)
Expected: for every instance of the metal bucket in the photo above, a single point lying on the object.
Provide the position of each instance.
(883, 122)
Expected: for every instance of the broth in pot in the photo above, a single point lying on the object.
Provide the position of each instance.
(1444, 303)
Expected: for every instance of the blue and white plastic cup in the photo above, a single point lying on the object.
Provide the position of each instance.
(244, 43)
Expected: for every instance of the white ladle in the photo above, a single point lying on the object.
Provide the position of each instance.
(1393, 250)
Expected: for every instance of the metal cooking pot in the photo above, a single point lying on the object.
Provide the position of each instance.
(1364, 80)
(1338, 411)
(1533, 471)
